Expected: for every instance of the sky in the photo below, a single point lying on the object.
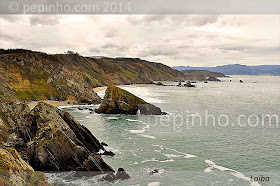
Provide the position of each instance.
(187, 40)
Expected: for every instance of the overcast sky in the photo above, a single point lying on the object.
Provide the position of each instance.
(193, 40)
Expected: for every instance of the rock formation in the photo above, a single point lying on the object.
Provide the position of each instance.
(119, 101)
(60, 143)
(212, 78)
(179, 84)
(120, 175)
(188, 84)
(15, 171)
(47, 139)
(159, 83)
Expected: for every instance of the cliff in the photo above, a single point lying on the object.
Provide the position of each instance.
(27, 75)
(45, 139)
(15, 171)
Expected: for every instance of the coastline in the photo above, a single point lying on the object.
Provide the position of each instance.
(32, 104)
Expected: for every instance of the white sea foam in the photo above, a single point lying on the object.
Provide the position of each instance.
(101, 93)
(148, 136)
(172, 155)
(112, 118)
(209, 169)
(184, 154)
(160, 146)
(190, 156)
(137, 131)
(134, 163)
(134, 120)
(145, 94)
(140, 131)
(154, 184)
(66, 106)
(234, 172)
(155, 160)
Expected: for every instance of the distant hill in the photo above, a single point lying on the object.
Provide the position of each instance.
(237, 69)
(204, 73)
(29, 75)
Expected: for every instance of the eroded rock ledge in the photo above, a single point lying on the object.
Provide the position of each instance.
(119, 101)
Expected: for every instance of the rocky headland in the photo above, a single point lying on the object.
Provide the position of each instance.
(45, 139)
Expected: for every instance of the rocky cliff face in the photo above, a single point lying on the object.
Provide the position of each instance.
(119, 101)
(60, 143)
(48, 139)
(38, 76)
(15, 171)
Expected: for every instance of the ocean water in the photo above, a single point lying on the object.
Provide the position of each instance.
(200, 142)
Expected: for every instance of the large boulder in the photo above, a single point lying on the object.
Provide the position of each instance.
(119, 101)
(120, 175)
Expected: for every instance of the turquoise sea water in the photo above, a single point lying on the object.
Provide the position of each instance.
(184, 146)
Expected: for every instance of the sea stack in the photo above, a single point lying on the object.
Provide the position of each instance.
(119, 101)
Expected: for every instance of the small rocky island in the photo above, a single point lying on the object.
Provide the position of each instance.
(45, 139)
(119, 101)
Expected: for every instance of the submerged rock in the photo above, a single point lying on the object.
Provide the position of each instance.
(120, 175)
(179, 84)
(188, 84)
(159, 83)
(119, 101)
(212, 78)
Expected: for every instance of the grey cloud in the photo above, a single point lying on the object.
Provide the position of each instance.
(189, 20)
(204, 19)
(44, 20)
(158, 51)
(112, 33)
(94, 50)
(251, 49)
(11, 18)
(146, 19)
(5, 36)
(194, 20)
(114, 46)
